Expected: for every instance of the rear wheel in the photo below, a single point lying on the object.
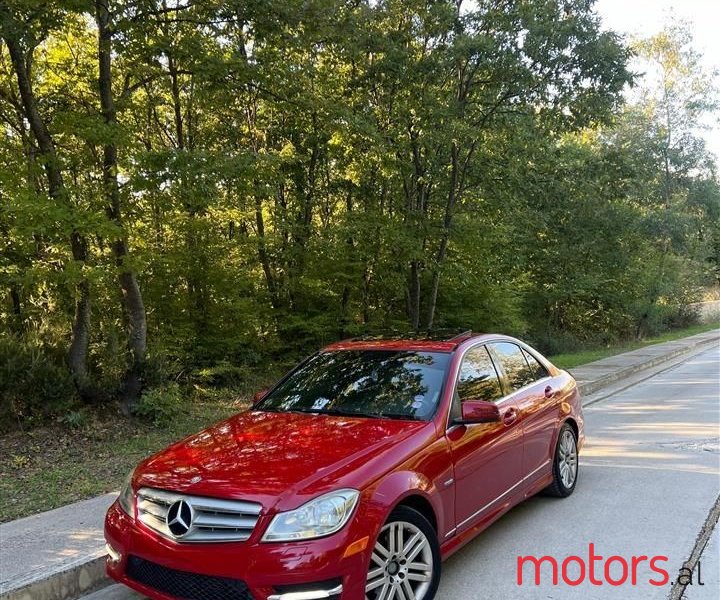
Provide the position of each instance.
(405, 563)
(565, 466)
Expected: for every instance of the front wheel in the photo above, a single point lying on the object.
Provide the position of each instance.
(565, 466)
(405, 563)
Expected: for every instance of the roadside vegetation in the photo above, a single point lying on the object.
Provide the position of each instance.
(569, 360)
(88, 453)
(53, 465)
(193, 194)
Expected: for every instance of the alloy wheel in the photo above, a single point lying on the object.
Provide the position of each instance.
(568, 458)
(401, 567)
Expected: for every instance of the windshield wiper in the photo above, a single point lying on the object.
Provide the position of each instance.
(399, 416)
(382, 415)
(339, 412)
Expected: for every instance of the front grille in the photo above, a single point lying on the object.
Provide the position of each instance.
(182, 584)
(213, 520)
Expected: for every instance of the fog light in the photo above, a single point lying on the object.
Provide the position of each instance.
(113, 554)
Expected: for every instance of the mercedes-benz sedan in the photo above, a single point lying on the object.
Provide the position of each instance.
(353, 477)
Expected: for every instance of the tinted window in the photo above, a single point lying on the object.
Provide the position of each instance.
(537, 369)
(478, 379)
(514, 364)
(370, 383)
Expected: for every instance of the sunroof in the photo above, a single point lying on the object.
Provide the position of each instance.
(434, 335)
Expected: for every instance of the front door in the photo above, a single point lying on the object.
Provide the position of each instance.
(487, 456)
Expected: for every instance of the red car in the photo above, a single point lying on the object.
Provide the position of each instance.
(354, 477)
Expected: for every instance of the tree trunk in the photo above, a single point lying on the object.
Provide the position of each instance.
(17, 316)
(16, 306)
(414, 295)
(132, 296)
(196, 277)
(263, 254)
(56, 190)
(453, 194)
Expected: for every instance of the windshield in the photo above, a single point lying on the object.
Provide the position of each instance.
(365, 383)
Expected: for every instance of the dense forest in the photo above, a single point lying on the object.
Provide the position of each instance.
(201, 188)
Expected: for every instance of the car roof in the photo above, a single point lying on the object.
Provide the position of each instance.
(436, 341)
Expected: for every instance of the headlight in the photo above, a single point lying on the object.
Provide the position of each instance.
(126, 499)
(320, 517)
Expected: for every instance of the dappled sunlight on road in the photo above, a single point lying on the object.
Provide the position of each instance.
(637, 409)
(681, 468)
(676, 431)
(658, 456)
(625, 452)
(86, 534)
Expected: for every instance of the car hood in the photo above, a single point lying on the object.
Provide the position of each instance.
(281, 459)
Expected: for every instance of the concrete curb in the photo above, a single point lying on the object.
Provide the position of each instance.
(590, 387)
(55, 555)
(88, 573)
(72, 582)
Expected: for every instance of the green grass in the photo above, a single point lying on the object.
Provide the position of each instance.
(570, 360)
(52, 466)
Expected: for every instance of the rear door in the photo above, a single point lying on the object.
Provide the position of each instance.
(529, 384)
(487, 456)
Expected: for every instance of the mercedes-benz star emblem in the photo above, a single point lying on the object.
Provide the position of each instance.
(179, 518)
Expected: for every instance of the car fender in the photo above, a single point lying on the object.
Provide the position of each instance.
(399, 486)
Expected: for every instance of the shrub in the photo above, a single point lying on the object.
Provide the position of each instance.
(223, 374)
(35, 382)
(74, 419)
(160, 405)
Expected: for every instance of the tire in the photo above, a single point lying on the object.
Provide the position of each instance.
(565, 464)
(413, 574)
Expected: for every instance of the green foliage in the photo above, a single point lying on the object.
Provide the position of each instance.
(34, 382)
(160, 405)
(223, 374)
(295, 172)
(75, 419)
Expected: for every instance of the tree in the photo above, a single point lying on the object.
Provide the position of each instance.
(132, 296)
(676, 96)
(22, 31)
(234, 183)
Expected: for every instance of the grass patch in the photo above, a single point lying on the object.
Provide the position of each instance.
(90, 453)
(570, 360)
(49, 467)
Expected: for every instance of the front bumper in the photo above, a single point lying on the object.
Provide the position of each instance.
(307, 570)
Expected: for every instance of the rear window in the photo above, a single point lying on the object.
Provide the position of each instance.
(366, 383)
(537, 369)
(514, 364)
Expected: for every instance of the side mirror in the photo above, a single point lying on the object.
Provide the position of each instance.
(479, 411)
(259, 396)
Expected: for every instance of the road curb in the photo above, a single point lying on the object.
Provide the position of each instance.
(71, 582)
(590, 387)
(88, 573)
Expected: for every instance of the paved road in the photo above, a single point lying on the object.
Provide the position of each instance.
(650, 473)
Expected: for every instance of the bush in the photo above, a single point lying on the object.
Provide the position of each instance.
(74, 419)
(35, 382)
(160, 405)
(221, 375)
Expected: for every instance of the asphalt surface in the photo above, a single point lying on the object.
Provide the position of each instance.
(649, 476)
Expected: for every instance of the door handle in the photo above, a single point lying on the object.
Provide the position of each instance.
(549, 392)
(510, 416)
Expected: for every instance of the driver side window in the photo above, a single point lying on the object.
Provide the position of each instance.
(478, 379)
